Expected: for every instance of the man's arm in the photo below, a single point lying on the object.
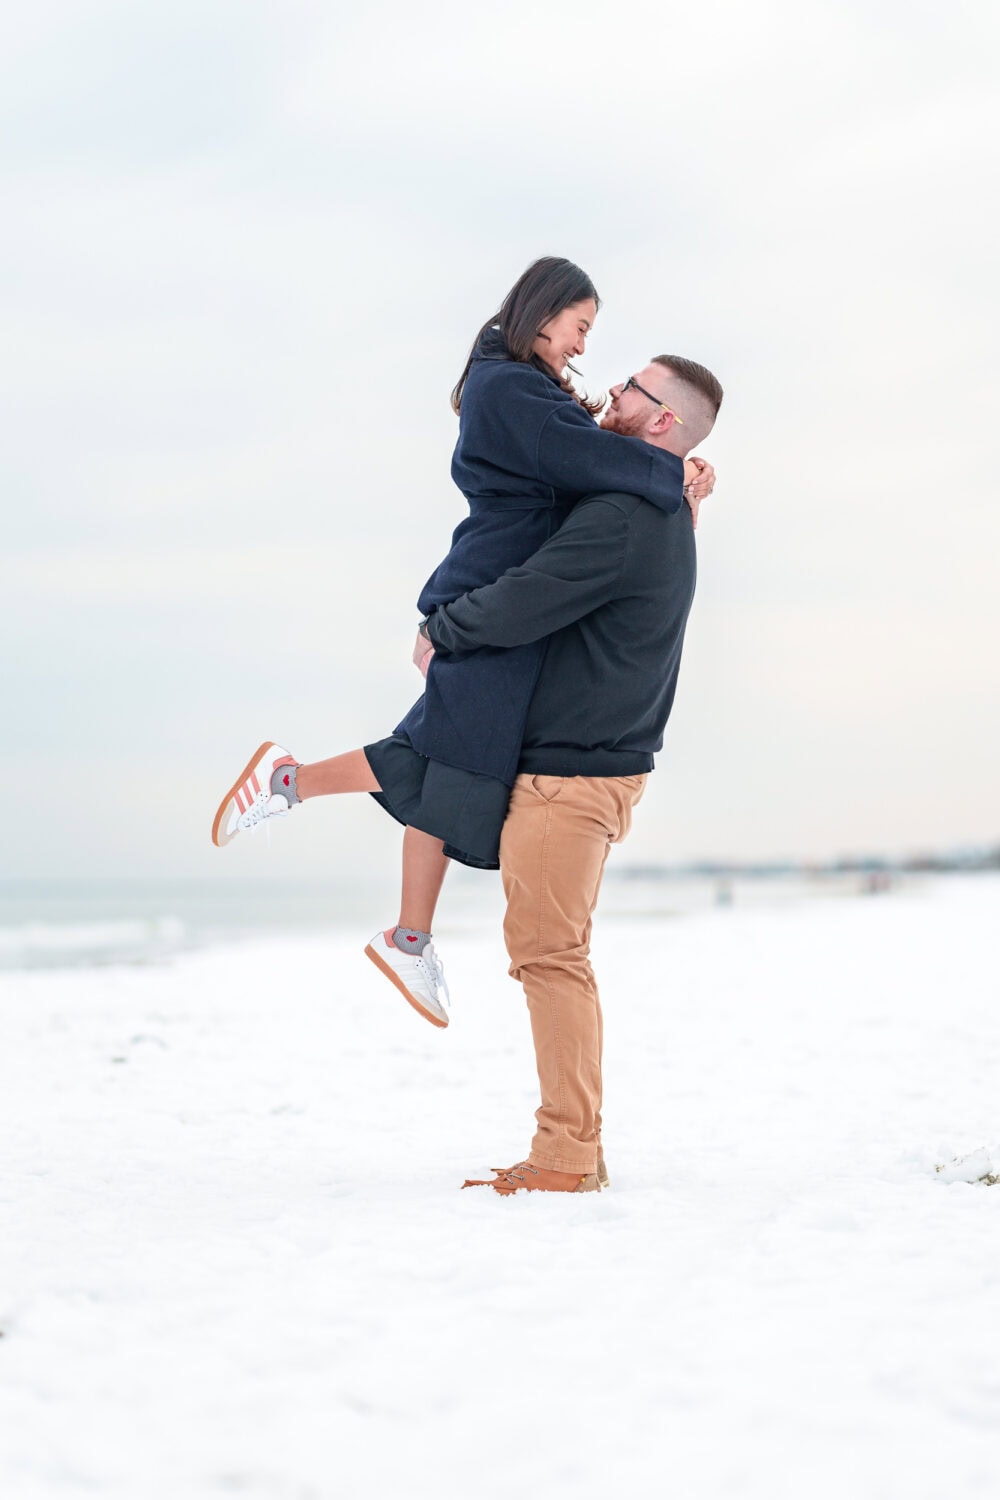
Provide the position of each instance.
(572, 575)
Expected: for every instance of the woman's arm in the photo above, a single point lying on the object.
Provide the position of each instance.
(573, 453)
(516, 422)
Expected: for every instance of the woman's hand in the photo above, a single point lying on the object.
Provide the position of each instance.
(699, 482)
(422, 653)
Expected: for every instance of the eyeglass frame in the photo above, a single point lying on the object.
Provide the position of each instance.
(631, 381)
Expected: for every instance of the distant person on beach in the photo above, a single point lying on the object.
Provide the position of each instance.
(528, 451)
(610, 594)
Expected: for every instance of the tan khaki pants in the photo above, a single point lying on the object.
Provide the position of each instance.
(553, 849)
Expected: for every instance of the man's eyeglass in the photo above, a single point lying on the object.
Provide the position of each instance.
(631, 381)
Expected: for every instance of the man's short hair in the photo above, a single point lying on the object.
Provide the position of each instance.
(696, 376)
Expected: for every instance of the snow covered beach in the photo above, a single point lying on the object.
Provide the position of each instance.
(235, 1259)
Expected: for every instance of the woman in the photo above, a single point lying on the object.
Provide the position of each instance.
(528, 449)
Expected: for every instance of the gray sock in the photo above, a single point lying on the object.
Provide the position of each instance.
(409, 940)
(283, 784)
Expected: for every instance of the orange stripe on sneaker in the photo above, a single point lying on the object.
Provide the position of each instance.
(219, 835)
(256, 783)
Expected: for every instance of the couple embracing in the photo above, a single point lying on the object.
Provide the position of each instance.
(550, 642)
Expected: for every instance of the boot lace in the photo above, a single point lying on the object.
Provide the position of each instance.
(517, 1171)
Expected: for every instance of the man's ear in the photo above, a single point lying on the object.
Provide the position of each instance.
(662, 424)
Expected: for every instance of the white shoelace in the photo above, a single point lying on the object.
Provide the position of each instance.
(435, 973)
(258, 813)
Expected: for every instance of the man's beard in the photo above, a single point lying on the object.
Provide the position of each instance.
(617, 421)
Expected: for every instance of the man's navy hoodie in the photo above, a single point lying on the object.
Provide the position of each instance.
(526, 453)
(609, 595)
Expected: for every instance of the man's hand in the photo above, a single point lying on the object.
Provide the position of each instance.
(699, 482)
(422, 653)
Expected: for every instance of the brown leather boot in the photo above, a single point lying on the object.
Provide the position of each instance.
(524, 1178)
(602, 1171)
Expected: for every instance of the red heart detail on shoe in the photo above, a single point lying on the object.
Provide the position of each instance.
(411, 940)
(287, 779)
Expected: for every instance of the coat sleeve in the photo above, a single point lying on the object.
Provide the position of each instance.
(520, 423)
(572, 575)
(573, 453)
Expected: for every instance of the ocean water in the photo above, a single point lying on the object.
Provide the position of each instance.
(57, 924)
(60, 924)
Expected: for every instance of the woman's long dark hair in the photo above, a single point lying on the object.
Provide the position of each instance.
(547, 287)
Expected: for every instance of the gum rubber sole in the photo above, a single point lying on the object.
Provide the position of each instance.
(224, 804)
(401, 987)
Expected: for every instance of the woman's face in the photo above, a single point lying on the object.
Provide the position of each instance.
(565, 334)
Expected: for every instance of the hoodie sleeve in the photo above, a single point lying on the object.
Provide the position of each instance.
(572, 575)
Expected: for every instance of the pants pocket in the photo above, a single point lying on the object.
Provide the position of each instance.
(547, 787)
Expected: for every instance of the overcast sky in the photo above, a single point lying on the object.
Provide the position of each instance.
(245, 249)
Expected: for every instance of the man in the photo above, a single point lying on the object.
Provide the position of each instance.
(612, 591)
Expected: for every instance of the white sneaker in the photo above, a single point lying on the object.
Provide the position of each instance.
(250, 800)
(419, 977)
